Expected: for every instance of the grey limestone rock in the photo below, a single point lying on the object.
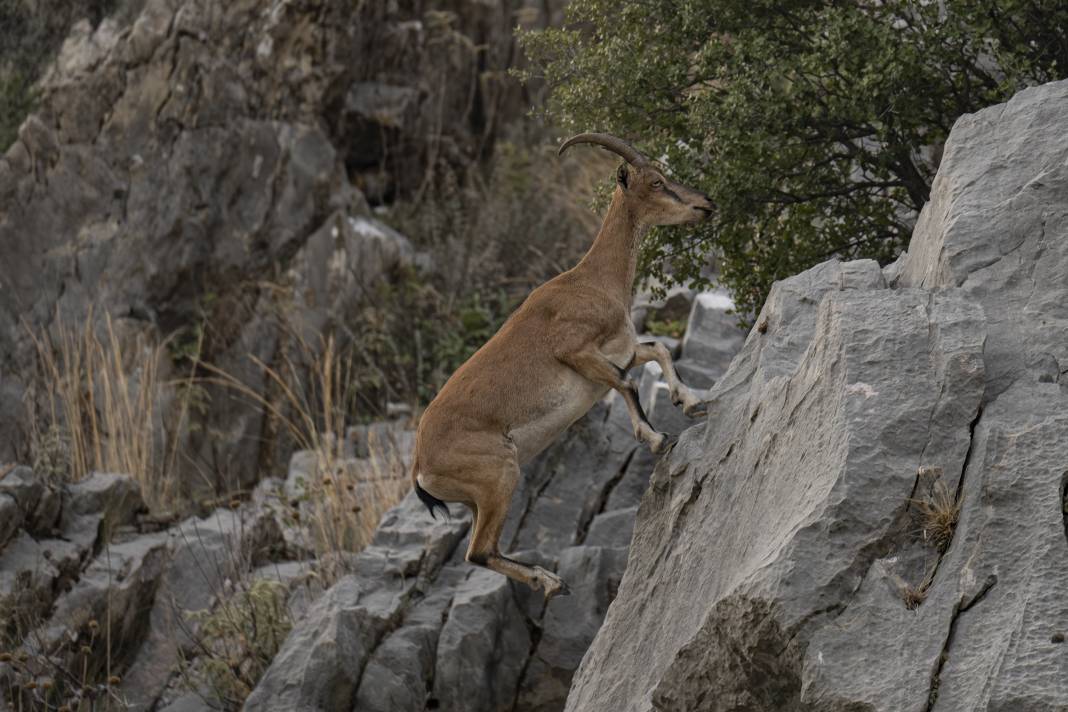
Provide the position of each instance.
(997, 228)
(785, 557)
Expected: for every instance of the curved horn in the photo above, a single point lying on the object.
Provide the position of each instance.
(616, 145)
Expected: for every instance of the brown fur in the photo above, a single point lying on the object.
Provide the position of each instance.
(560, 352)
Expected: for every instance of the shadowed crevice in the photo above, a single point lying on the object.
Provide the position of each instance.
(602, 500)
(1064, 503)
(960, 609)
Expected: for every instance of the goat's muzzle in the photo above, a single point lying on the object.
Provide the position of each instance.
(706, 207)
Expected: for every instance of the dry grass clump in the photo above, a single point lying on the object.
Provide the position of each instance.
(914, 595)
(938, 514)
(343, 499)
(106, 406)
(103, 401)
(351, 496)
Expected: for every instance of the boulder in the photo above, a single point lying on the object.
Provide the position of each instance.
(97, 506)
(32, 573)
(320, 663)
(482, 648)
(712, 333)
(873, 517)
(116, 589)
(203, 559)
(995, 228)
(37, 502)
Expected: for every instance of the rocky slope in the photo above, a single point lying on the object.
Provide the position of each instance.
(798, 552)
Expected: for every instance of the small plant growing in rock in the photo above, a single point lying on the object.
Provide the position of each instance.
(913, 596)
(938, 513)
(237, 641)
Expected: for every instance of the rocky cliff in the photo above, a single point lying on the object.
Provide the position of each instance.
(874, 516)
(206, 169)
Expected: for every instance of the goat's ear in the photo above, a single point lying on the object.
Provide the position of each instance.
(622, 175)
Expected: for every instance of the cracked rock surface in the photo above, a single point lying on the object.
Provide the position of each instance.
(789, 555)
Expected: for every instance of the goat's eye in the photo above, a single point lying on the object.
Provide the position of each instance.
(658, 183)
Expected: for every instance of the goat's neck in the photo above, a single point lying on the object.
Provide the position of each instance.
(612, 260)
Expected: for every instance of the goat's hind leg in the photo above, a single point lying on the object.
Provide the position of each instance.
(491, 508)
(691, 403)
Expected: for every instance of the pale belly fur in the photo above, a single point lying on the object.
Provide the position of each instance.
(567, 400)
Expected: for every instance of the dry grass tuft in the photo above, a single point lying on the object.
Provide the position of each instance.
(914, 595)
(938, 513)
(103, 399)
(107, 407)
(345, 498)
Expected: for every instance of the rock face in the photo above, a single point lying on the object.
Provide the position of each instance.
(204, 170)
(873, 517)
(90, 577)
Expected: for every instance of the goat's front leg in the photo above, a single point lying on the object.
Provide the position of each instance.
(591, 364)
(691, 403)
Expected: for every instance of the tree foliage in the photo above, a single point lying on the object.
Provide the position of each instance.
(816, 126)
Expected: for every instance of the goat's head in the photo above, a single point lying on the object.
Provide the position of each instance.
(654, 198)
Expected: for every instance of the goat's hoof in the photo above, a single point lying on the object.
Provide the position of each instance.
(662, 444)
(550, 583)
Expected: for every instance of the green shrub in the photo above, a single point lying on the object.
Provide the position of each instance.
(238, 640)
(816, 126)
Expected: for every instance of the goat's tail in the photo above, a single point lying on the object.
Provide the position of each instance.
(425, 497)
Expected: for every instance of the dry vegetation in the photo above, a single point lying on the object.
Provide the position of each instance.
(937, 514)
(106, 406)
(103, 398)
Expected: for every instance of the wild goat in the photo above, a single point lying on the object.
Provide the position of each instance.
(557, 355)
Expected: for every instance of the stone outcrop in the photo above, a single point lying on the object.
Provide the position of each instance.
(873, 517)
(93, 583)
